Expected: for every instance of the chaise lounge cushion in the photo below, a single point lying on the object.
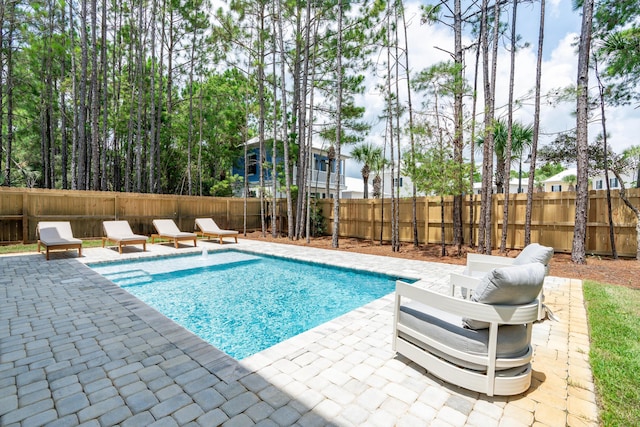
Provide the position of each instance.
(446, 329)
(512, 285)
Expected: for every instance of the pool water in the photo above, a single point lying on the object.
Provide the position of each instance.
(243, 303)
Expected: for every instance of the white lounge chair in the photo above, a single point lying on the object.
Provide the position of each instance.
(209, 228)
(478, 265)
(120, 233)
(482, 344)
(57, 235)
(168, 229)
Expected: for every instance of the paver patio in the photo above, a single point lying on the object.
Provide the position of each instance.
(76, 349)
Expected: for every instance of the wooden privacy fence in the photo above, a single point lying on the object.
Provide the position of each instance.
(551, 223)
(21, 209)
(552, 220)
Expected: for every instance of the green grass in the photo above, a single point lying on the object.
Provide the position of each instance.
(614, 322)
(33, 247)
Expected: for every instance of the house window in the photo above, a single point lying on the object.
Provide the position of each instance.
(395, 182)
(599, 184)
(557, 187)
(252, 164)
(613, 183)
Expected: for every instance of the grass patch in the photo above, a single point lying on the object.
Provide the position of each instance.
(614, 321)
(33, 247)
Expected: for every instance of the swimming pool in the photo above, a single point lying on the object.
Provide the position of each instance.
(243, 303)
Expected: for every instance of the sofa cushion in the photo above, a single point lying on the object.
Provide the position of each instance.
(512, 285)
(446, 329)
(535, 253)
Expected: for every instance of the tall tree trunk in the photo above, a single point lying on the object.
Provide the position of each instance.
(458, 141)
(105, 100)
(9, 82)
(304, 157)
(309, 143)
(536, 130)
(582, 137)
(95, 116)
(414, 207)
(153, 145)
(140, 92)
(82, 101)
(262, 114)
(2, 73)
(75, 181)
(63, 114)
(395, 246)
(507, 154)
(603, 120)
(484, 232)
(192, 61)
(284, 129)
(472, 224)
(274, 155)
(336, 200)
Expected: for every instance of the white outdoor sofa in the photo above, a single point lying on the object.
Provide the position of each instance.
(481, 344)
(479, 265)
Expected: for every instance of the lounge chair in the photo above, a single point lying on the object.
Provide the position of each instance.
(479, 264)
(209, 228)
(120, 233)
(57, 235)
(482, 344)
(168, 229)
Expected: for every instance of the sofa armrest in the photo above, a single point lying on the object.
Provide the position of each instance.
(490, 313)
(479, 263)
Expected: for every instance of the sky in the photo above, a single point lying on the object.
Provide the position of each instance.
(559, 69)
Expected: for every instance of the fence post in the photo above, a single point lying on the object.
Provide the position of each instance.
(426, 220)
(25, 217)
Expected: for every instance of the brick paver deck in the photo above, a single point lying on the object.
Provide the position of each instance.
(77, 350)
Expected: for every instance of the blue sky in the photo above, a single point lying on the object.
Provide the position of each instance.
(562, 27)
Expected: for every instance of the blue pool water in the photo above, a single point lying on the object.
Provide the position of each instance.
(244, 303)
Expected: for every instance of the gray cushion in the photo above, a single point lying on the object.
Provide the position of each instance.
(534, 253)
(446, 329)
(512, 285)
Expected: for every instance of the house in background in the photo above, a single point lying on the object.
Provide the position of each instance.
(514, 185)
(599, 182)
(317, 179)
(558, 183)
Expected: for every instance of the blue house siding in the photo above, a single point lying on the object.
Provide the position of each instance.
(253, 176)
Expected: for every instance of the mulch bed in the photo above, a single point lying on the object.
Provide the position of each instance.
(623, 271)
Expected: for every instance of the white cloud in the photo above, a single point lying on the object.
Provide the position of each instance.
(559, 70)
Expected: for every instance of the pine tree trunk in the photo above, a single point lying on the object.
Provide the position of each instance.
(284, 129)
(508, 148)
(578, 255)
(336, 200)
(484, 232)
(458, 141)
(536, 130)
(82, 101)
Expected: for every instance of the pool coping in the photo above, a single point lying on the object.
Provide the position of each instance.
(340, 373)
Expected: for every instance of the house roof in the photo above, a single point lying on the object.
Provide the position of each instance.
(318, 148)
(560, 176)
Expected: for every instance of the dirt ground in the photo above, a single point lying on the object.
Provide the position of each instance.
(624, 272)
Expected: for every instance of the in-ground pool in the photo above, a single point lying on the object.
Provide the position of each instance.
(243, 303)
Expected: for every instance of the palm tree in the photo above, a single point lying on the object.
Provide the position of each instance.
(369, 156)
(521, 138)
(571, 180)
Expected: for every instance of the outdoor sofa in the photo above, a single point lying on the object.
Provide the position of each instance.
(482, 343)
